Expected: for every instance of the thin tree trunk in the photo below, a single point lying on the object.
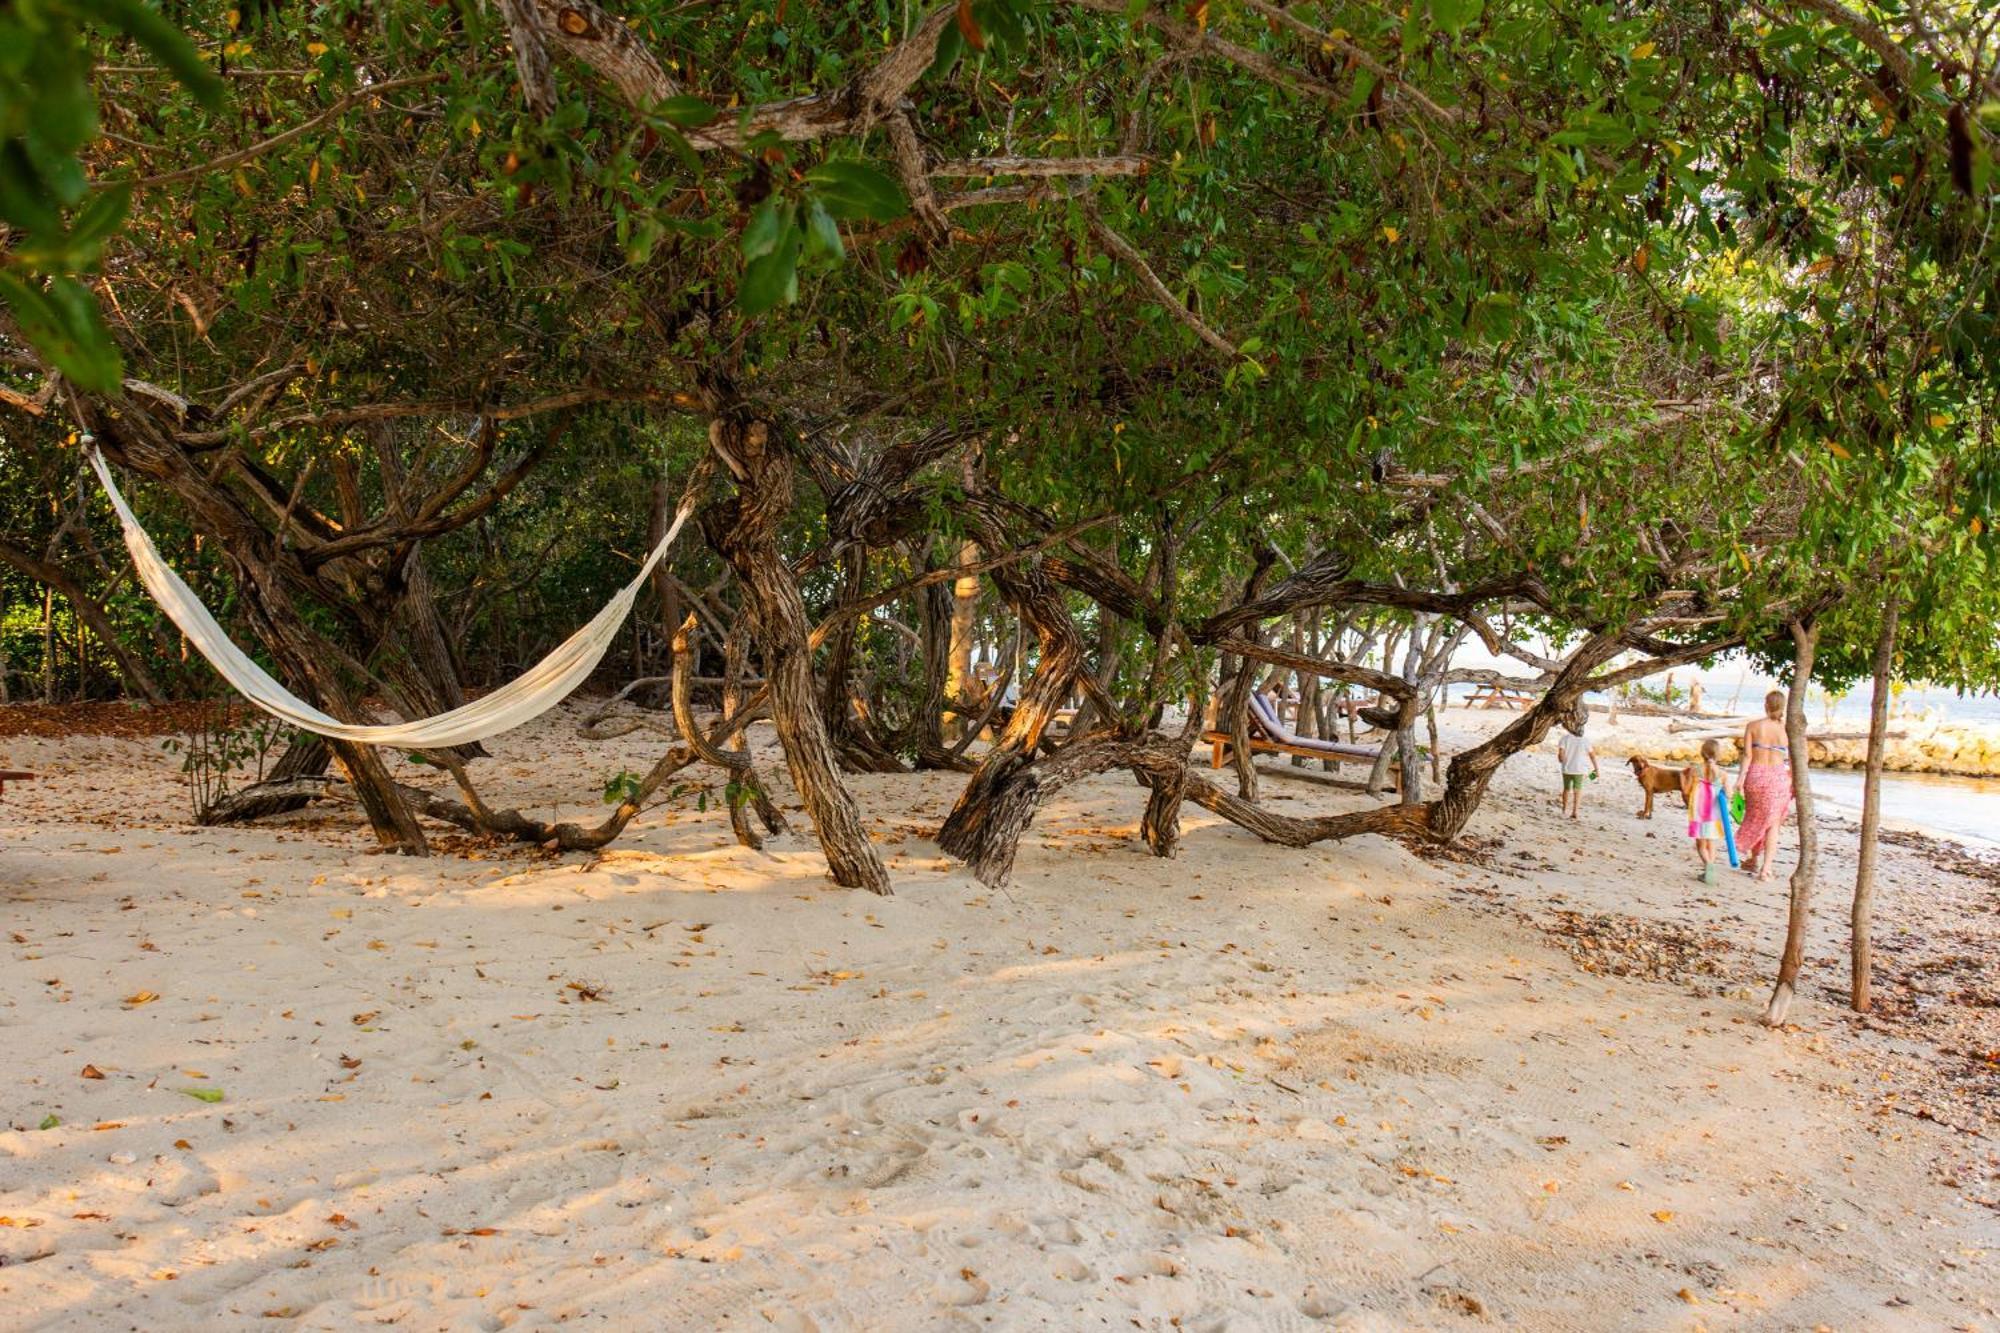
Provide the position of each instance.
(1411, 770)
(1805, 638)
(48, 645)
(663, 578)
(1236, 697)
(1308, 722)
(1862, 950)
(924, 736)
(89, 611)
(964, 615)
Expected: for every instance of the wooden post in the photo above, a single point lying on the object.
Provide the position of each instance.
(1862, 951)
(1805, 638)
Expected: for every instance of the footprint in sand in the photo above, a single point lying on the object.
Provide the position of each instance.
(1054, 1230)
(1071, 1269)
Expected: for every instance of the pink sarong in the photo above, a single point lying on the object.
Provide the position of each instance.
(1767, 799)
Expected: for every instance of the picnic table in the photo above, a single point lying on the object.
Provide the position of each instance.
(8, 775)
(1499, 696)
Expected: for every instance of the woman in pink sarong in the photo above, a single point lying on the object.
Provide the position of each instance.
(1766, 786)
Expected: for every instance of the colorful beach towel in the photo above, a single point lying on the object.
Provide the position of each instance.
(1705, 810)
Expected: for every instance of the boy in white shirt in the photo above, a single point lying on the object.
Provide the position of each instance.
(1577, 759)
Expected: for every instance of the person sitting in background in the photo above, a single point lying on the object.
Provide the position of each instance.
(1010, 699)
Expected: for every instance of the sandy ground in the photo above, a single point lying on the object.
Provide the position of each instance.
(681, 1085)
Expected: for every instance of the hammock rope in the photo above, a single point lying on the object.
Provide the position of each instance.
(521, 700)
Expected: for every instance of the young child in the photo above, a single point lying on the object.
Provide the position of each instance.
(1577, 759)
(1705, 802)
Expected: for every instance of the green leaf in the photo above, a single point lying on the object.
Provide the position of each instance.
(767, 227)
(851, 189)
(687, 111)
(822, 232)
(63, 323)
(50, 1121)
(771, 279)
(1453, 15)
(25, 198)
(210, 1095)
(951, 45)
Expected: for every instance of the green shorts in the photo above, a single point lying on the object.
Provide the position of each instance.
(1573, 781)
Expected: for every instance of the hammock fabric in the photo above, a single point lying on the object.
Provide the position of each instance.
(537, 690)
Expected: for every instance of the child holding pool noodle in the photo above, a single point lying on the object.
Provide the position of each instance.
(1708, 811)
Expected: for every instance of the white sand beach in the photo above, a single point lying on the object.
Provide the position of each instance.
(290, 1082)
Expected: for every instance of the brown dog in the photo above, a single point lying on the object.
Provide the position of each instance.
(1656, 778)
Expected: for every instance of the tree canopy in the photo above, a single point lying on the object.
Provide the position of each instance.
(1214, 337)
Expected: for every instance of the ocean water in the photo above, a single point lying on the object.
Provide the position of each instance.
(1733, 686)
(1747, 688)
(1967, 809)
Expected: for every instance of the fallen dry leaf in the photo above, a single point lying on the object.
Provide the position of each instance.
(92, 1071)
(1664, 1215)
(138, 998)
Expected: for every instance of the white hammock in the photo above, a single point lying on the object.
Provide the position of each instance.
(539, 689)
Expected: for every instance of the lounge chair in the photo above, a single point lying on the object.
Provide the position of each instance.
(1268, 735)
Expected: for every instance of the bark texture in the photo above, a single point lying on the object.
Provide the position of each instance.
(1862, 949)
(1805, 638)
(744, 530)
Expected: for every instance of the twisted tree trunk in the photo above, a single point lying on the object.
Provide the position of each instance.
(985, 816)
(744, 530)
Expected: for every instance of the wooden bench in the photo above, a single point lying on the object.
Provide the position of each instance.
(13, 775)
(1499, 696)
